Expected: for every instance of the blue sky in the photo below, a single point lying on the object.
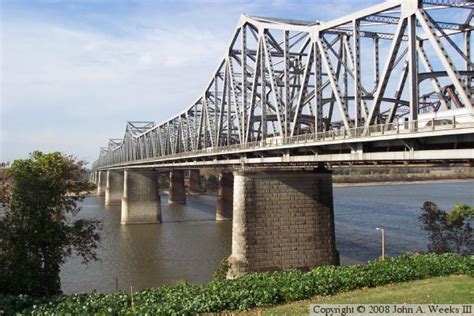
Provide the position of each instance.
(73, 72)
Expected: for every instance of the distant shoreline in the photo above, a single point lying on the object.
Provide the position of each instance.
(374, 183)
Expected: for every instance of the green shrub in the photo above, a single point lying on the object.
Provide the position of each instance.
(221, 271)
(248, 291)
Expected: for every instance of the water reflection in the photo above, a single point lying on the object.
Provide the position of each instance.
(189, 244)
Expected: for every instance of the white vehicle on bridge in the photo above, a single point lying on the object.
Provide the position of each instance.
(439, 119)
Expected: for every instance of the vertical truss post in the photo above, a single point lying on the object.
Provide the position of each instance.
(376, 61)
(345, 70)
(318, 88)
(263, 98)
(229, 107)
(357, 85)
(216, 109)
(413, 71)
(197, 128)
(243, 33)
(467, 52)
(286, 77)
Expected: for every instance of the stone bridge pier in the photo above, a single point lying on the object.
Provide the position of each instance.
(177, 192)
(141, 203)
(113, 187)
(101, 182)
(225, 196)
(282, 220)
(195, 181)
(92, 177)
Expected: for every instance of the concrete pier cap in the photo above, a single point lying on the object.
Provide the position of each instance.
(282, 219)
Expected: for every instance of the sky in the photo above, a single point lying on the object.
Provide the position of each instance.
(72, 72)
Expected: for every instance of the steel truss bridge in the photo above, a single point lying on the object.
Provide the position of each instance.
(388, 84)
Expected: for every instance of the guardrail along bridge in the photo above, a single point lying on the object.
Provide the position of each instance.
(389, 84)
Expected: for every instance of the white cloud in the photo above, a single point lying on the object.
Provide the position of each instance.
(75, 79)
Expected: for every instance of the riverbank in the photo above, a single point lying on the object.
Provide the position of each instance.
(250, 291)
(453, 289)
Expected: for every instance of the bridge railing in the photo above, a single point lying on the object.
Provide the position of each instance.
(312, 139)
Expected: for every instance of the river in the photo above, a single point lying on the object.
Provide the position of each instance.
(189, 244)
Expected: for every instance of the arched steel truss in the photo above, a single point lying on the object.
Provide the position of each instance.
(282, 78)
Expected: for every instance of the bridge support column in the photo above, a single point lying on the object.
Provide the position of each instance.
(225, 196)
(282, 220)
(141, 202)
(114, 187)
(177, 193)
(101, 178)
(195, 181)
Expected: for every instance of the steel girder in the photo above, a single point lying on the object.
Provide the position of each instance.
(281, 78)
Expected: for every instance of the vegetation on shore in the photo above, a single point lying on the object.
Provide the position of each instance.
(249, 291)
(38, 231)
(448, 231)
(404, 174)
(454, 289)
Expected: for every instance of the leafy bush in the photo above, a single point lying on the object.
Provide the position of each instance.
(248, 291)
(221, 271)
(449, 231)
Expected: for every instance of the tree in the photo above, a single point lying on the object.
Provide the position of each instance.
(39, 231)
(449, 232)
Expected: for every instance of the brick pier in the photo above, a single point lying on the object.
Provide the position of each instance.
(282, 220)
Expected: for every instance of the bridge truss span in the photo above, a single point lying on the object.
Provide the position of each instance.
(382, 83)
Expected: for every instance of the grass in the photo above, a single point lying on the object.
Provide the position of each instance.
(454, 289)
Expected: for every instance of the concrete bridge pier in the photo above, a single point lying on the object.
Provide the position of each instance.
(101, 179)
(141, 203)
(282, 220)
(113, 187)
(177, 192)
(225, 196)
(195, 181)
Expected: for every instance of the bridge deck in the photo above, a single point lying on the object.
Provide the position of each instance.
(315, 148)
